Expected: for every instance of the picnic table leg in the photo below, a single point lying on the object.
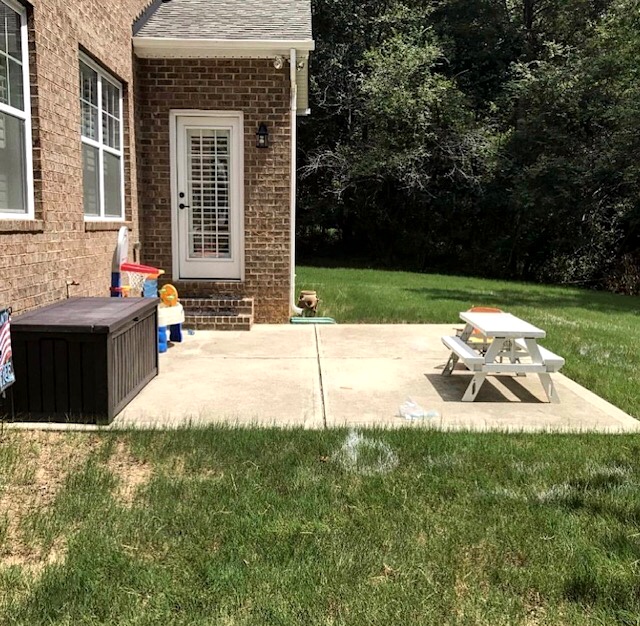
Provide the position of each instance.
(466, 333)
(545, 378)
(494, 350)
(474, 387)
(513, 357)
(478, 378)
(549, 388)
(454, 358)
(451, 363)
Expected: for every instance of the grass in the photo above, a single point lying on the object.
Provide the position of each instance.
(287, 527)
(223, 526)
(596, 332)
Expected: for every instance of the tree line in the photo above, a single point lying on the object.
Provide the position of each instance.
(494, 137)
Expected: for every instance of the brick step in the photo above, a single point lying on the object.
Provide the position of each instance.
(218, 313)
(219, 303)
(215, 321)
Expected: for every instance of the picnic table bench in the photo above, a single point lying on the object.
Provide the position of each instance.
(510, 338)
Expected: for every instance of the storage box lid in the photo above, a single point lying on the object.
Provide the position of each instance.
(85, 315)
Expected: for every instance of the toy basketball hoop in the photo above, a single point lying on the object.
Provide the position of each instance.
(127, 279)
(134, 283)
(136, 275)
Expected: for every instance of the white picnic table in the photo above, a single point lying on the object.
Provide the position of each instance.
(508, 337)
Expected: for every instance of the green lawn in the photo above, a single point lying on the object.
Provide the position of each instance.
(597, 333)
(287, 527)
(224, 526)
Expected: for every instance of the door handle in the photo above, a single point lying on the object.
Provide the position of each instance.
(183, 206)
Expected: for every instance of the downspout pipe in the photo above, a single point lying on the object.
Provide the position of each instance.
(293, 61)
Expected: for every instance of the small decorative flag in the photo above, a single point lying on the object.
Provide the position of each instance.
(7, 377)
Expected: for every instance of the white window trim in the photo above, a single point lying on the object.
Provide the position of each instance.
(101, 146)
(23, 115)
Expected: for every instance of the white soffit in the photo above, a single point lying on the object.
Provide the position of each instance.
(168, 48)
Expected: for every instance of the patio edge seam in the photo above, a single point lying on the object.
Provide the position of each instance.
(322, 401)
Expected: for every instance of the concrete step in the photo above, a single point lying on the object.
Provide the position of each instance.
(218, 313)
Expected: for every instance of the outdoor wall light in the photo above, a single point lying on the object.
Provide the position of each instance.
(262, 136)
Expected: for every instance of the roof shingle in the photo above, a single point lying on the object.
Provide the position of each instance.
(230, 19)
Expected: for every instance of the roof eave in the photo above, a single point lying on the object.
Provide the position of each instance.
(146, 15)
(175, 48)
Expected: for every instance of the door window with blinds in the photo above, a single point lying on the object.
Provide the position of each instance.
(16, 175)
(208, 184)
(207, 180)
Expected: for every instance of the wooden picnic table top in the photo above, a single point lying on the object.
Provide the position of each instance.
(502, 325)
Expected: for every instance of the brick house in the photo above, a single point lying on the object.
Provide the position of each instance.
(151, 115)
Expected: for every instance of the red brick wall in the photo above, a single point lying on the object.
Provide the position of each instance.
(254, 87)
(39, 256)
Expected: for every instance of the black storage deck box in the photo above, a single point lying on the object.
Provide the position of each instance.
(83, 359)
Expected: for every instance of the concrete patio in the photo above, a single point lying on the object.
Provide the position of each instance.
(318, 376)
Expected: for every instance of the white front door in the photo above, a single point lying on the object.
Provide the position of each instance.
(207, 188)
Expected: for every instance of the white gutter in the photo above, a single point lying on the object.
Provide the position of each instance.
(293, 137)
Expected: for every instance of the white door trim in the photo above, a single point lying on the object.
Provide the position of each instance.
(238, 143)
